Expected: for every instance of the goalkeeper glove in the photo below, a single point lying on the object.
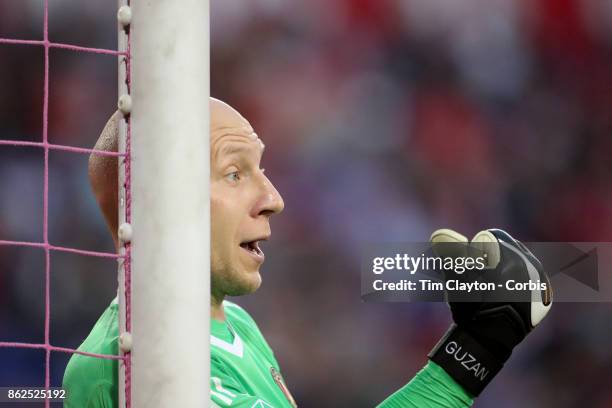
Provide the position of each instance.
(485, 330)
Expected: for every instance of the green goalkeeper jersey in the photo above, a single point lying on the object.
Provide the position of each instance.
(244, 372)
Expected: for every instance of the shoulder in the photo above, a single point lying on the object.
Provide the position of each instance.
(237, 314)
(103, 337)
(87, 377)
(246, 326)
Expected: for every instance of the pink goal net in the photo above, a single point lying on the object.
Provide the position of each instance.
(46, 245)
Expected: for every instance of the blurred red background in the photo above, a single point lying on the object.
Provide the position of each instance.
(383, 121)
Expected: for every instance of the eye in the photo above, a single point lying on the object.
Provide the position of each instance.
(233, 177)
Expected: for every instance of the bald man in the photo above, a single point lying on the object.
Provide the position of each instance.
(244, 372)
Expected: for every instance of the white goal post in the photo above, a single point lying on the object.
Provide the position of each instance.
(170, 203)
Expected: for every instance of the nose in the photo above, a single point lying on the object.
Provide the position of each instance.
(270, 201)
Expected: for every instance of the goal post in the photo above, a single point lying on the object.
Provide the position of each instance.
(166, 306)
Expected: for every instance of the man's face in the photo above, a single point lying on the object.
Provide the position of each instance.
(242, 202)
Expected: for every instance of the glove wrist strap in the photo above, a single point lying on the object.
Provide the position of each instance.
(466, 360)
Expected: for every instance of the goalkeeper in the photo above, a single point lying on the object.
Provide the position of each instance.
(244, 371)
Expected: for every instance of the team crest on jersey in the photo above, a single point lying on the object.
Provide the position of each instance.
(278, 379)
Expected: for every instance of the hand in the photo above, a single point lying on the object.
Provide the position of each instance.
(487, 329)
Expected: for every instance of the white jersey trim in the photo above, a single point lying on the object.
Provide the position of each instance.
(236, 348)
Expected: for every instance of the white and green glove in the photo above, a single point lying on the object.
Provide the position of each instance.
(485, 331)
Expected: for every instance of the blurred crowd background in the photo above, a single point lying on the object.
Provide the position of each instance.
(383, 120)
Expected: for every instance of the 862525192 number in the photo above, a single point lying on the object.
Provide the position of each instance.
(14, 394)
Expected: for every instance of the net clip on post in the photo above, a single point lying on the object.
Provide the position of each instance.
(125, 104)
(125, 342)
(125, 232)
(124, 16)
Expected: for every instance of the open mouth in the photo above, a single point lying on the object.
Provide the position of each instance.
(252, 247)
